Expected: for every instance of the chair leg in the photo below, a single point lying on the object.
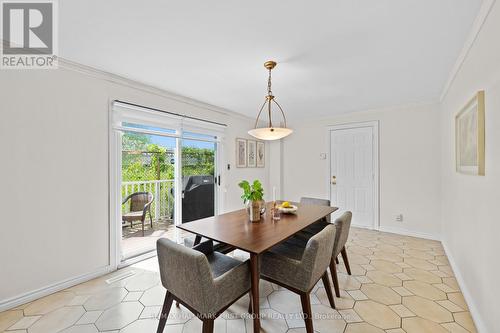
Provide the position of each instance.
(150, 217)
(142, 227)
(177, 304)
(167, 304)
(333, 271)
(337, 260)
(346, 261)
(250, 302)
(328, 289)
(208, 326)
(306, 310)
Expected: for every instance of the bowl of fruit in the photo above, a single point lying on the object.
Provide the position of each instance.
(287, 208)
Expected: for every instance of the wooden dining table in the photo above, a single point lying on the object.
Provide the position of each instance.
(235, 229)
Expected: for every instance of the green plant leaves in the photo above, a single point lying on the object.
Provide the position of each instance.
(254, 192)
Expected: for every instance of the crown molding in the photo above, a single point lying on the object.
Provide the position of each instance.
(126, 82)
(477, 25)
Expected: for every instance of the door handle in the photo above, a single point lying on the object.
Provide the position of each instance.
(334, 180)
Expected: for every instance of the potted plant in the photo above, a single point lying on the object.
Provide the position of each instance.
(252, 197)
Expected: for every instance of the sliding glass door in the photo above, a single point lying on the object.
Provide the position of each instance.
(167, 174)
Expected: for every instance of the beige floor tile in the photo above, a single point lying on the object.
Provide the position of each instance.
(119, 316)
(153, 296)
(427, 309)
(447, 269)
(271, 321)
(458, 299)
(363, 251)
(387, 256)
(452, 283)
(402, 310)
(465, 320)
(58, 320)
(424, 289)
(143, 326)
(79, 300)
(142, 282)
(420, 325)
(395, 330)
(386, 266)
(403, 265)
(49, 303)
(445, 288)
(133, 296)
(235, 325)
(368, 267)
(422, 275)
(89, 317)
(285, 302)
(9, 318)
(358, 259)
(419, 254)
(327, 320)
(24, 323)
(381, 294)
(377, 314)
(345, 301)
(194, 325)
(350, 316)
(402, 291)
(454, 328)
(440, 273)
(403, 276)
(358, 295)
(363, 279)
(420, 263)
(362, 328)
(105, 299)
(81, 329)
(348, 282)
(450, 306)
(384, 278)
(390, 248)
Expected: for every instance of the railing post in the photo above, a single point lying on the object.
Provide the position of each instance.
(157, 199)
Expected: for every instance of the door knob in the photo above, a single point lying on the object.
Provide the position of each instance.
(334, 180)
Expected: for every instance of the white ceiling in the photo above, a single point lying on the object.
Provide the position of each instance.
(333, 56)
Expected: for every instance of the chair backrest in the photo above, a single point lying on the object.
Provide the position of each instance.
(342, 225)
(316, 201)
(318, 254)
(185, 273)
(139, 200)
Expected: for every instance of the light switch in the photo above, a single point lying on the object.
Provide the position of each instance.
(322, 156)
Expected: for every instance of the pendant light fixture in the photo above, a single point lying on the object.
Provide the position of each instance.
(270, 132)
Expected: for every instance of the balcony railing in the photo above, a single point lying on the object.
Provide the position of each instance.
(163, 191)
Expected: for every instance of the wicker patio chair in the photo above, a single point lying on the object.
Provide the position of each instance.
(140, 204)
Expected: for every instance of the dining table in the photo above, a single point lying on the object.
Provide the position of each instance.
(235, 229)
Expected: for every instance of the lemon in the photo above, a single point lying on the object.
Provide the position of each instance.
(285, 204)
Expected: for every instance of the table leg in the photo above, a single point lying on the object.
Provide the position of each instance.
(197, 240)
(255, 278)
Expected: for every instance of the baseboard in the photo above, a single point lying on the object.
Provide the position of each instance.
(476, 315)
(50, 289)
(405, 232)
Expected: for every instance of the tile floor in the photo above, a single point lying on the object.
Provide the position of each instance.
(399, 284)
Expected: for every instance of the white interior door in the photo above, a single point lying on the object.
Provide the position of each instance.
(352, 174)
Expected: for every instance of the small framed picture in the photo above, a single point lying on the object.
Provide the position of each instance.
(252, 153)
(469, 141)
(241, 153)
(261, 154)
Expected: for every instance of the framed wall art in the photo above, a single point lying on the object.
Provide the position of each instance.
(470, 137)
(241, 153)
(252, 153)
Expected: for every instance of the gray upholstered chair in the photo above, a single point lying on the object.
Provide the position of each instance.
(140, 204)
(299, 268)
(342, 226)
(318, 225)
(204, 281)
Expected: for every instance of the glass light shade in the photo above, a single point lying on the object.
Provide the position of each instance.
(270, 133)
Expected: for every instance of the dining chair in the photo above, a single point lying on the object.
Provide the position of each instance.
(342, 226)
(299, 268)
(320, 224)
(205, 281)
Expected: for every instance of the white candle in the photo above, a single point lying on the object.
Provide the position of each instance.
(274, 193)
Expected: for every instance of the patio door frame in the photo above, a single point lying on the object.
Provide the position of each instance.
(151, 117)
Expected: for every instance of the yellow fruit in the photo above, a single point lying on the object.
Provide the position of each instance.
(285, 204)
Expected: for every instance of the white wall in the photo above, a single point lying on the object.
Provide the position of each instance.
(54, 171)
(471, 215)
(409, 165)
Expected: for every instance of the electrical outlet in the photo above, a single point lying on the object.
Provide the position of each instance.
(399, 218)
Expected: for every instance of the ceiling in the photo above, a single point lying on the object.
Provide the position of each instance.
(333, 56)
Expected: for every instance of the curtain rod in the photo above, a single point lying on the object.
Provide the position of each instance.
(168, 112)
